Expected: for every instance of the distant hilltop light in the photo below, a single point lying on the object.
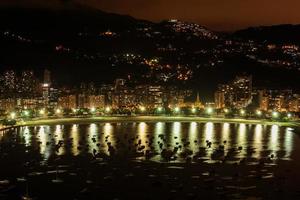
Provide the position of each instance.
(173, 20)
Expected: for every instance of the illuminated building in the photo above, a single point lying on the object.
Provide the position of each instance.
(198, 103)
(155, 96)
(236, 94)
(294, 104)
(96, 101)
(220, 99)
(67, 102)
(8, 104)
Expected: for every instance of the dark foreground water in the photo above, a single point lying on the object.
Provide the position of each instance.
(150, 161)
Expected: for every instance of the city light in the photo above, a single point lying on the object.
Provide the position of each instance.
(26, 113)
(159, 109)
(177, 109)
(226, 110)
(275, 114)
(242, 112)
(142, 108)
(194, 110)
(58, 111)
(258, 112)
(42, 112)
(107, 109)
(74, 110)
(209, 110)
(93, 109)
(13, 115)
(289, 115)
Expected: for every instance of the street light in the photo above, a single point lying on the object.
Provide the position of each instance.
(58, 111)
(194, 110)
(159, 109)
(209, 110)
(289, 115)
(258, 113)
(142, 108)
(226, 110)
(177, 109)
(13, 115)
(242, 112)
(26, 113)
(275, 114)
(107, 109)
(42, 112)
(93, 109)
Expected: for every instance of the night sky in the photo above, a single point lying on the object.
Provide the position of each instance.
(216, 14)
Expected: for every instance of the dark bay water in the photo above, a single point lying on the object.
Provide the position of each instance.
(128, 161)
(256, 141)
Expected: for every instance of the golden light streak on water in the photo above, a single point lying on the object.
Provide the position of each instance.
(193, 135)
(273, 144)
(208, 132)
(108, 130)
(258, 145)
(142, 131)
(242, 138)
(288, 142)
(158, 130)
(27, 136)
(44, 138)
(226, 133)
(176, 133)
(92, 137)
(75, 135)
(58, 136)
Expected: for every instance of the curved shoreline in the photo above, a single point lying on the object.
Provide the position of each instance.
(151, 119)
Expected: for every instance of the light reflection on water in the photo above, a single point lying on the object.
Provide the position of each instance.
(264, 140)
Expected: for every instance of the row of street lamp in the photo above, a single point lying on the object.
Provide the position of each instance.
(143, 109)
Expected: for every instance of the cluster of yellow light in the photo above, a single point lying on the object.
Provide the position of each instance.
(176, 109)
(13, 115)
(142, 108)
(42, 112)
(93, 109)
(194, 110)
(26, 113)
(275, 114)
(258, 112)
(107, 109)
(242, 112)
(209, 110)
